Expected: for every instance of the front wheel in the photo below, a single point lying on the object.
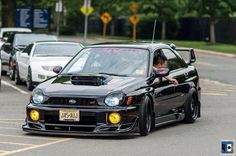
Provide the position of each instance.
(145, 118)
(17, 77)
(191, 110)
(29, 82)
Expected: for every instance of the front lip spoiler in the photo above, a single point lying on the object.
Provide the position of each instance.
(79, 133)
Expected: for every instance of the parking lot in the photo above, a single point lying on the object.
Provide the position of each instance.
(201, 138)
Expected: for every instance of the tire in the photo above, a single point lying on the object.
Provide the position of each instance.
(191, 109)
(29, 82)
(11, 71)
(145, 118)
(17, 76)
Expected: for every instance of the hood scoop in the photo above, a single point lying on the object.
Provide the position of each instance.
(95, 80)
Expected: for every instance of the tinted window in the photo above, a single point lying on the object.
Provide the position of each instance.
(122, 61)
(173, 61)
(57, 49)
(28, 49)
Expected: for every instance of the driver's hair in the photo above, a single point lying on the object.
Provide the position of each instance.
(159, 58)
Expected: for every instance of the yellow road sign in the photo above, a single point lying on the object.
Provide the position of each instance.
(134, 19)
(88, 12)
(134, 7)
(106, 17)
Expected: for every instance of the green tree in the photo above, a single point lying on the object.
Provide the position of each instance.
(214, 9)
(164, 10)
(116, 8)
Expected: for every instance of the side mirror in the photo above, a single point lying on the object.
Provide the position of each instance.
(162, 72)
(57, 69)
(192, 56)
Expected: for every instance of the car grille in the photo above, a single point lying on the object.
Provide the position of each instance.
(72, 101)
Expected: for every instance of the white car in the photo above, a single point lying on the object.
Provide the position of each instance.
(36, 62)
(6, 32)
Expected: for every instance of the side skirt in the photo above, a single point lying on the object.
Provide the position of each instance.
(170, 118)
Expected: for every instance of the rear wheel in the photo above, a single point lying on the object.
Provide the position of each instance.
(11, 71)
(145, 118)
(29, 82)
(191, 110)
(17, 77)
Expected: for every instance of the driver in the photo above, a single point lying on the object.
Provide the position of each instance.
(160, 61)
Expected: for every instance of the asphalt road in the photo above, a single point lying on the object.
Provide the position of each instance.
(203, 138)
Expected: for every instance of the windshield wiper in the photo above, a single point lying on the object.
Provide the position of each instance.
(112, 74)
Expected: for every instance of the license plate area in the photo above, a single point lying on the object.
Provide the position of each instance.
(69, 115)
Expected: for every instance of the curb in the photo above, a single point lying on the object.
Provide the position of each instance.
(215, 53)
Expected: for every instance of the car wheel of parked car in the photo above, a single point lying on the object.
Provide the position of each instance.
(191, 109)
(11, 71)
(29, 82)
(145, 118)
(17, 77)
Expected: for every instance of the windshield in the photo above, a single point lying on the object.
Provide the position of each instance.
(111, 61)
(28, 39)
(57, 50)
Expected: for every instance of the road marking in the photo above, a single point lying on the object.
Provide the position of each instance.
(27, 137)
(12, 120)
(36, 146)
(2, 151)
(14, 87)
(206, 64)
(11, 128)
(13, 143)
(214, 94)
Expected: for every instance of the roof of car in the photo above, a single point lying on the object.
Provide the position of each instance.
(15, 29)
(144, 45)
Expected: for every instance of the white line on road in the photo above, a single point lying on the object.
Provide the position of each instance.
(27, 137)
(2, 151)
(14, 87)
(14, 143)
(35, 146)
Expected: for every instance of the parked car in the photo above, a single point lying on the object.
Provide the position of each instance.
(36, 62)
(6, 32)
(17, 42)
(112, 89)
(0, 71)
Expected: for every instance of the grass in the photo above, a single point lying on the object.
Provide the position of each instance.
(225, 48)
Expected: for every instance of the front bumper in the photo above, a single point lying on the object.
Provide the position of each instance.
(93, 121)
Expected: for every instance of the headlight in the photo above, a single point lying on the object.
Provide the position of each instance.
(48, 68)
(38, 97)
(114, 99)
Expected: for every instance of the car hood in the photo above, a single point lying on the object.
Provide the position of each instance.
(88, 86)
(51, 61)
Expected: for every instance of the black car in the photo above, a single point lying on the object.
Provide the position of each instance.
(112, 89)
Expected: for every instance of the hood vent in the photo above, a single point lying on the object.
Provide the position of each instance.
(90, 80)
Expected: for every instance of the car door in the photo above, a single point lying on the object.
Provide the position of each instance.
(6, 52)
(179, 71)
(23, 61)
(163, 94)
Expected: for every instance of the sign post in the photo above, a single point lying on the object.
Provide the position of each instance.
(106, 18)
(58, 10)
(134, 19)
(86, 9)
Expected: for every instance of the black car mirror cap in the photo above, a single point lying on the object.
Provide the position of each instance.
(162, 72)
(192, 56)
(57, 69)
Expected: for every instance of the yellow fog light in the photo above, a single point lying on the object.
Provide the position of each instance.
(34, 115)
(114, 118)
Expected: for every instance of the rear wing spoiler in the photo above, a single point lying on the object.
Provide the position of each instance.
(187, 54)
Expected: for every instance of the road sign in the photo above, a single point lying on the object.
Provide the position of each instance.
(134, 7)
(58, 7)
(134, 19)
(88, 12)
(106, 17)
(32, 17)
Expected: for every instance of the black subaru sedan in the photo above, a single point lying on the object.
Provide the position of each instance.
(112, 89)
